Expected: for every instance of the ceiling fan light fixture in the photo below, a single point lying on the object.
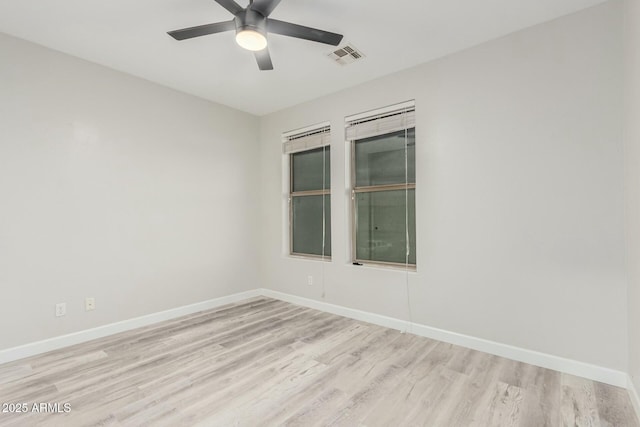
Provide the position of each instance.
(251, 40)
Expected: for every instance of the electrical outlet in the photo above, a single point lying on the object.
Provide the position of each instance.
(310, 280)
(89, 304)
(61, 309)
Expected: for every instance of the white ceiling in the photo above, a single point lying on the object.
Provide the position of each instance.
(130, 36)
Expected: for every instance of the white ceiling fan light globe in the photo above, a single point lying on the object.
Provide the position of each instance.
(251, 40)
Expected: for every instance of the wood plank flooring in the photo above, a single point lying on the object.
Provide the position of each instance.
(264, 362)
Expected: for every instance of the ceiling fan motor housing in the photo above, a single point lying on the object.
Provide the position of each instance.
(251, 20)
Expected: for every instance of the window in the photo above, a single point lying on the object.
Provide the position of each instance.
(383, 183)
(309, 192)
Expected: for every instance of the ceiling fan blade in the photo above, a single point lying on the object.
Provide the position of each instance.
(301, 32)
(264, 59)
(202, 30)
(265, 7)
(230, 5)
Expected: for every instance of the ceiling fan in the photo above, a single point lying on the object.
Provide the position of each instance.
(252, 24)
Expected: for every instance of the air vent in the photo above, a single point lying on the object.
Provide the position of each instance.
(346, 54)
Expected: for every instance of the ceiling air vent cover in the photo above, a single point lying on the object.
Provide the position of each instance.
(346, 54)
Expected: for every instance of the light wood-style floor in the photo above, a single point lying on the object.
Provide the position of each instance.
(265, 362)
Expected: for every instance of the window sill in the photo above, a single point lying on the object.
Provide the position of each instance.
(309, 257)
(384, 266)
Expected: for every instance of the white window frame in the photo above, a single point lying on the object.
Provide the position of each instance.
(377, 122)
(299, 141)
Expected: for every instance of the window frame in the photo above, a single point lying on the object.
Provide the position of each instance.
(292, 194)
(372, 189)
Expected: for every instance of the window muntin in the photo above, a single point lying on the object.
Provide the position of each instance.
(310, 202)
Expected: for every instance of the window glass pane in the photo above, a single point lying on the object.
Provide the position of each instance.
(307, 225)
(380, 226)
(306, 170)
(380, 159)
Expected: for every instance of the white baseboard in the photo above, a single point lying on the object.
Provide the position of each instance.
(544, 360)
(340, 310)
(585, 370)
(633, 395)
(27, 350)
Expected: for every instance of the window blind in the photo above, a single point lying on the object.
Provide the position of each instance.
(306, 139)
(390, 119)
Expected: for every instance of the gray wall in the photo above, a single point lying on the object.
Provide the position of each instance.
(632, 179)
(118, 189)
(519, 199)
